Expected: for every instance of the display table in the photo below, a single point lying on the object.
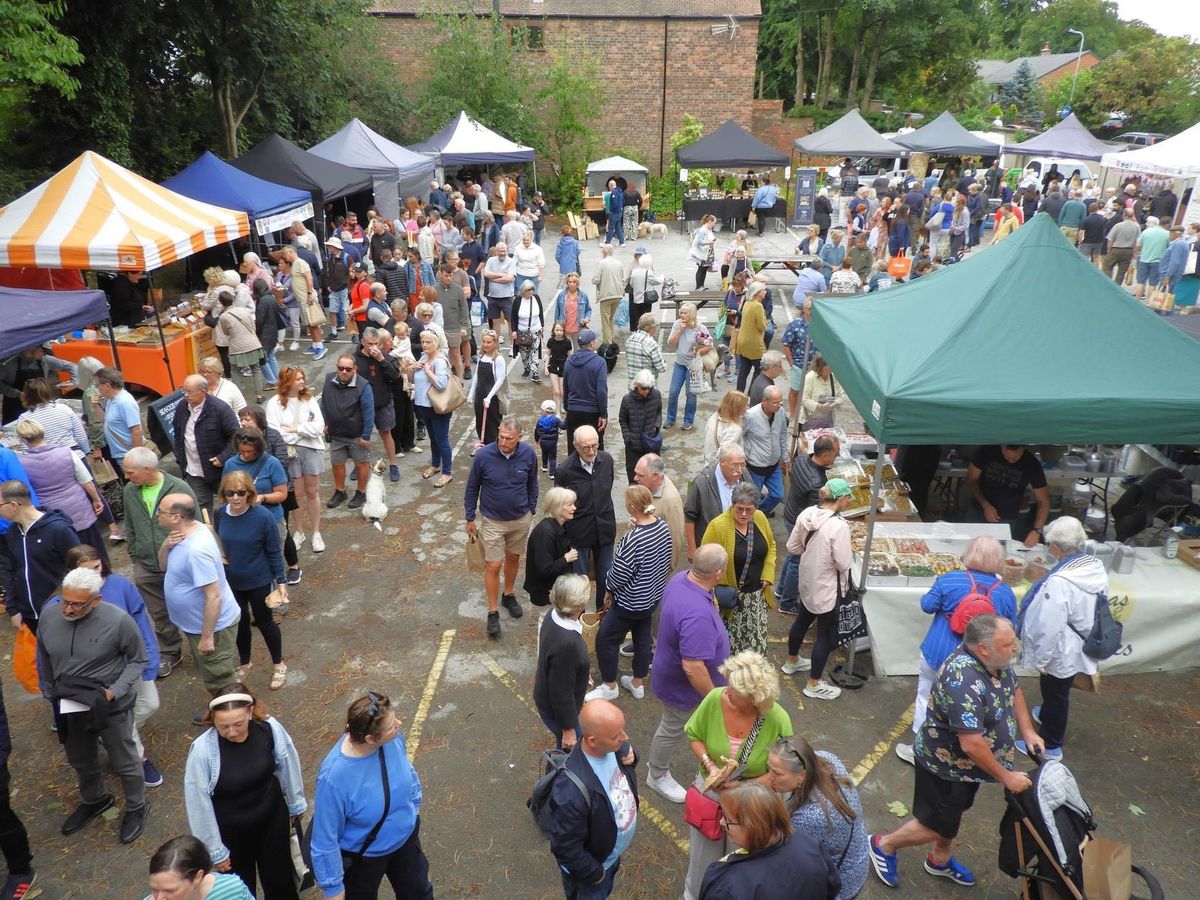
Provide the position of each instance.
(142, 364)
(793, 264)
(1158, 604)
(728, 208)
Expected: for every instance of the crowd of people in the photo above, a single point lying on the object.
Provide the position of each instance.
(685, 582)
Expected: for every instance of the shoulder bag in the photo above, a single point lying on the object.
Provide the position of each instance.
(446, 400)
(702, 811)
(350, 860)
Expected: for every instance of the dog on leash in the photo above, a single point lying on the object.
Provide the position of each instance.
(657, 230)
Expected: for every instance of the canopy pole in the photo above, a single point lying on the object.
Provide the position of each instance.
(162, 340)
(876, 483)
(112, 344)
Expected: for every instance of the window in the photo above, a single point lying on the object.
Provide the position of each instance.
(528, 37)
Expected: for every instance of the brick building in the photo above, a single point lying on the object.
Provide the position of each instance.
(1047, 68)
(658, 59)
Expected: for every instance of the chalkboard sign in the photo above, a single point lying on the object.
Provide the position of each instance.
(806, 195)
(163, 412)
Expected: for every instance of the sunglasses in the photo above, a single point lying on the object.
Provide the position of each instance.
(345, 368)
(375, 706)
(236, 493)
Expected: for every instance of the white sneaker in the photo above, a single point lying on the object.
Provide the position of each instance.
(298, 539)
(800, 665)
(601, 692)
(667, 787)
(905, 752)
(627, 683)
(823, 690)
(294, 346)
(318, 544)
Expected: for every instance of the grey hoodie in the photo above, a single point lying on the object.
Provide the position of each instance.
(104, 645)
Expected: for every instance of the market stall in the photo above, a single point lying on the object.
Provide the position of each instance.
(270, 206)
(944, 136)
(466, 142)
(730, 147)
(851, 136)
(1066, 140)
(1003, 360)
(396, 171)
(31, 317)
(598, 174)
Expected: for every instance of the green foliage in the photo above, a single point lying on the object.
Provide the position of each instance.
(1104, 32)
(1156, 83)
(1023, 92)
(570, 102)
(1058, 95)
(33, 51)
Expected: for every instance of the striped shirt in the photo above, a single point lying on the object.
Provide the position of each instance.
(945, 594)
(642, 352)
(641, 565)
(63, 428)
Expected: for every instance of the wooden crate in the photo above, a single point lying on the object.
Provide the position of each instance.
(1189, 552)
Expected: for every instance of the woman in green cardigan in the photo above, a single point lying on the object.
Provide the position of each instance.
(745, 533)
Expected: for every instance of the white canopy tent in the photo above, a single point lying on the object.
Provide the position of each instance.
(601, 170)
(1178, 157)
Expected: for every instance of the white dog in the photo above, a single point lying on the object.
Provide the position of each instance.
(375, 510)
(658, 230)
(644, 229)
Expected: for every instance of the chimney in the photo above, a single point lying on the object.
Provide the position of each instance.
(1046, 49)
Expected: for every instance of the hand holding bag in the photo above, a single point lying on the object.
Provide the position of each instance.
(447, 399)
(702, 811)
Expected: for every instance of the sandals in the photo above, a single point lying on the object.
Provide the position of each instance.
(279, 676)
(240, 673)
(430, 472)
(443, 481)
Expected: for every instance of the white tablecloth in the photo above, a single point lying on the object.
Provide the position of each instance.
(1158, 604)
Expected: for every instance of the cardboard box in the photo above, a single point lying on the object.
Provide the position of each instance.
(1189, 552)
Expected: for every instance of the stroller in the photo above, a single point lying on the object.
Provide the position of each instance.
(1043, 833)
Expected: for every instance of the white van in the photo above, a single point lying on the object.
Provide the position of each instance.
(1066, 166)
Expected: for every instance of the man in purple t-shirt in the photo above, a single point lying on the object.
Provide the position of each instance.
(692, 643)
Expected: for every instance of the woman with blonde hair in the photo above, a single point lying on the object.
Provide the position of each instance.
(820, 395)
(296, 415)
(703, 248)
(725, 425)
(220, 386)
(561, 678)
(745, 533)
(62, 482)
(237, 323)
(548, 553)
(637, 577)
(432, 371)
(214, 281)
(682, 340)
(739, 722)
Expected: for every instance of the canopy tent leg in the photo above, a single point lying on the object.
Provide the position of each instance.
(876, 483)
(162, 340)
(112, 344)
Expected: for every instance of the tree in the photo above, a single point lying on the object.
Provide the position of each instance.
(1104, 32)
(569, 102)
(1022, 91)
(1157, 84)
(32, 49)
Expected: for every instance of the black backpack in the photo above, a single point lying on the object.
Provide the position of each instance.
(539, 800)
(1105, 637)
(609, 353)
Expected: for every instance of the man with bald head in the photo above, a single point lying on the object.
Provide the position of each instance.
(590, 833)
(692, 643)
(199, 600)
(765, 437)
(204, 428)
(589, 473)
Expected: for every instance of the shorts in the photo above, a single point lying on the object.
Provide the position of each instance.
(1147, 272)
(504, 536)
(499, 307)
(796, 377)
(307, 461)
(1090, 250)
(341, 449)
(939, 804)
(385, 417)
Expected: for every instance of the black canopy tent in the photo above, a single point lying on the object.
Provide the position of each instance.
(945, 135)
(730, 147)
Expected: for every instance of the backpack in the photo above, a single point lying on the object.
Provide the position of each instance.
(539, 799)
(977, 602)
(609, 353)
(1105, 637)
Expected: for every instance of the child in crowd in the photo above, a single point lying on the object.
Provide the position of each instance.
(546, 435)
(558, 348)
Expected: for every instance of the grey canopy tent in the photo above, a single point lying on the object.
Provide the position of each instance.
(851, 135)
(1066, 140)
(731, 147)
(945, 135)
(396, 171)
(279, 160)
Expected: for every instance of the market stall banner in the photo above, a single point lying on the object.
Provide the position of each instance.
(806, 196)
(94, 214)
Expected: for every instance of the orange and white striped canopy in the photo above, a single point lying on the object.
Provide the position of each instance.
(94, 214)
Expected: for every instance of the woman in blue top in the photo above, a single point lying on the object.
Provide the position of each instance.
(358, 836)
(566, 254)
(984, 559)
(432, 371)
(253, 566)
(181, 870)
(832, 253)
(823, 803)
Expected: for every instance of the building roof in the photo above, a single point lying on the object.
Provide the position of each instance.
(997, 71)
(616, 9)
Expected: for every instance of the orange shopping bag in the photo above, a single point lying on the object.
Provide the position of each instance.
(25, 659)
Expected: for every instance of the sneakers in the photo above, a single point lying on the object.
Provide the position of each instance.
(338, 498)
(320, 353)
(150, 774)
(688, 426)
(905, 752)
(357, 500)
(822, 690)
(545, 468)
(294, 346)
(166, 667)
(318, 543)
(85, 812)
(117, 537)
(627, 683)
(310, 349)
(667, 426)
(883, 863)
(626, 649)
(953, 869)
(298, 539)
(17, 886)
(789, 607)
(393, 473)
(493, 624)
(509, 602)
(1056, 753)
(601, 692)
(294, 575)
(667, 787)
(800, 665)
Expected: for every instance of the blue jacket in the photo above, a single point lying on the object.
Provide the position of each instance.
(566, 254)
(1175, 259)
(200, 776)
(832, 255)
(764, 197)
(585, 382)
(941, 599)
(616, 203)
(560, 307)
(12, 470)
(503, 488)
(120, 592)
(33, 572)
(798, 869)
(581, 839)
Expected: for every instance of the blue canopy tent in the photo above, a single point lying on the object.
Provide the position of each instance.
(33, 317)
(270, 206)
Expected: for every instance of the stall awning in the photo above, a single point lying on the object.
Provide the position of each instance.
(1066, 140)
(94, 214)
(974, 354)
(730, 147)
(851, 135)
(270, 206)
(278, 159)
(1177, 156)
(945, 135)
(466, 142)
(27, 317)
(360, 147)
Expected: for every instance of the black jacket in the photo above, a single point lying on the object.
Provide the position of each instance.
(214, 433)
(266, 318)
(595, 522)
(797, 869)
(544, 561)
(640, 415)
(581, 839)
(393, 279)
(381, 374)
(561, 680)
(35, 563)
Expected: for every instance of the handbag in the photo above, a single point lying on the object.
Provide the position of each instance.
(752, 218)
(702, 811)
(669, 288)
(652, 443)
(103, 471)
(302, 874)
(448, 399)
(698, 382)
(523, 339)
(851, 622)
(24, 659)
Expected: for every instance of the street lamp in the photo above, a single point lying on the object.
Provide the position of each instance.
(1078, 57)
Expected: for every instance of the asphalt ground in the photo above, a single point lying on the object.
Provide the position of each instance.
(396, 611)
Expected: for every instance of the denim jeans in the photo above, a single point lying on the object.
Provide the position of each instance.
(1056, 701)
(339, 304)
(575, 890)
(679, 381)
(774, 483)
(788, 585)
(614, 233)
(604, 554)
(438, 427)
(974, 233)
(269, 367)
(555, 728)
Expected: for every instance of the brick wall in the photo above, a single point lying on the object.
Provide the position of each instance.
(770, 126)
(707, 75)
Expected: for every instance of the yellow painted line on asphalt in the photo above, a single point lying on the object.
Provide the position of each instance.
(863, 769)
(644, 807)
(431, 683)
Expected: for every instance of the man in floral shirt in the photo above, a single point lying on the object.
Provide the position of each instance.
(967, 739)
(793, 340)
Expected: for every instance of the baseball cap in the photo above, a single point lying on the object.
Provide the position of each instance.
(549, 406)
(838, 487)
(587, 336)
(639, 250)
